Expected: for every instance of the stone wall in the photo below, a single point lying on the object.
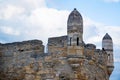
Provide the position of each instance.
(15, 57)
(27, 61)
(58, 45)
(68, 57)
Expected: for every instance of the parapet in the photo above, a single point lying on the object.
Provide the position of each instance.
(90, 46)
(23, 43)
(9, 49)
(62, 40)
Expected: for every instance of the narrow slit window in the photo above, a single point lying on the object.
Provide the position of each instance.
(109, 57)
(77, 41)
(70, 40)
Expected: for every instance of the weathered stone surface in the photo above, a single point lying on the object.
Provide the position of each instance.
(68, 57)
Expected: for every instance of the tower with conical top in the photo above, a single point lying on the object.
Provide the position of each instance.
(75, 34)
(107, 45)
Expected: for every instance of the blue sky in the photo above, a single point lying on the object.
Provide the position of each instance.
(39, 19)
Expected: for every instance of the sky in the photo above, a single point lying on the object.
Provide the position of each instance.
(40, 19)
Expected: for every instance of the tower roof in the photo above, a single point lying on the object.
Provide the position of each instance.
(75, 16)
(75, 13)
(107, 36)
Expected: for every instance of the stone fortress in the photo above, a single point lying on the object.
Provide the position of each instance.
(68, 57)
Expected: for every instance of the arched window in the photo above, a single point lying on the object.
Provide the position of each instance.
(77, 41)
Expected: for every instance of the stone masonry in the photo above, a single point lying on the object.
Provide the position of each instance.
(68, 57)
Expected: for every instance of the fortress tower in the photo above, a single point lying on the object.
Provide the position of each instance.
(75, 34)
(107, 45)
(68, 57)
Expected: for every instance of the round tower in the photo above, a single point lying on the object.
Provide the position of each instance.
(107, 45)
(75, 28)
(75, 33)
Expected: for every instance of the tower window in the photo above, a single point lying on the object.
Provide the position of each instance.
(77, 41)
(70, 40)
(109, 57)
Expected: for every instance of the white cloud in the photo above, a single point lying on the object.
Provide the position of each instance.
(10, 11)
(36, 21)
(33, 19)
(17, 8)
(34, 3)
(98, 30)
(39, 21)
(9, 31)
(46, 22)
(114, 32)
